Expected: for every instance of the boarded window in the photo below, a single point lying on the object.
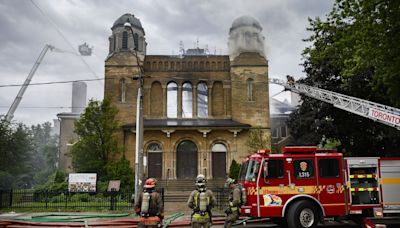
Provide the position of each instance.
(217, 99)
(156, 100)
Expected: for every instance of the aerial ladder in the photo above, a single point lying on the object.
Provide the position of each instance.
(378, 112)
(10, 114)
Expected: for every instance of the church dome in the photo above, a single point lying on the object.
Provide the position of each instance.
(135, 22)
(245, 21)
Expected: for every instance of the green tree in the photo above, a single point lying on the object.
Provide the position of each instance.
(96, 150)
(354, 51)
(44, 151)
(234, 169)
(15, 145)
(258, 139)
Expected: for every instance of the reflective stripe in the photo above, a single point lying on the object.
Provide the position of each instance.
(363, 176)
(364, 189)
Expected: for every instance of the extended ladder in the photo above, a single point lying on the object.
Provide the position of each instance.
(375, 111)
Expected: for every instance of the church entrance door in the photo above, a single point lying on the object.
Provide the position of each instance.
(186, 160)
(218, 161)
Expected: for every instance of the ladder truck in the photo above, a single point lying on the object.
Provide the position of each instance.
(304, 185)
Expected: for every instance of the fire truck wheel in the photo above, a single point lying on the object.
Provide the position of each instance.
(302, 214)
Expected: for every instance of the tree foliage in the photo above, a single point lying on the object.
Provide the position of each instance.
(96, 151)
(354, 51)
(45, 150)
(234, 169)
(258, 139)
(28, 155)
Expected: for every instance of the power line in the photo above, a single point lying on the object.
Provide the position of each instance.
(146, 76)
(64, 38)
(53, 82)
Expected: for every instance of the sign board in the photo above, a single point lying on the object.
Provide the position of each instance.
(384, 116)
(82, 182)
(113, 184)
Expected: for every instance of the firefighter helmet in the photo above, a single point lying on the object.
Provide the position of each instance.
(229, 181)
(150, 183)
(201, 182)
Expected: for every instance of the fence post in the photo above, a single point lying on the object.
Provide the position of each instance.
(11, 197)
(113, 198)
(47, 197)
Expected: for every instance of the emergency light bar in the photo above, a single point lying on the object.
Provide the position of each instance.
(263, 151)
(299, 150)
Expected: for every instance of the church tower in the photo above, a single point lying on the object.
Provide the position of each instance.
(249, 74)
(122, 65)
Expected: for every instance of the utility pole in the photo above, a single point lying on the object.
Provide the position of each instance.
(139, 124)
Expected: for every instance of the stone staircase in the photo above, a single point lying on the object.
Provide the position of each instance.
(176, 192)
(188, 184)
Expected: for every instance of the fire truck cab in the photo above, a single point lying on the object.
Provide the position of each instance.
(303, 185)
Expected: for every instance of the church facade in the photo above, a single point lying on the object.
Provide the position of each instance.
(198, 109)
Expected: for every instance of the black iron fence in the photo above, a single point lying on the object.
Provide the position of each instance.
(65, 200)
(122, 200)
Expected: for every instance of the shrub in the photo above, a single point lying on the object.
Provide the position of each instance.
(234, 169)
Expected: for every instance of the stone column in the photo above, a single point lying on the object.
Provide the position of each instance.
(194, 101)
(164, 114)
(179, 102)
(209, 105)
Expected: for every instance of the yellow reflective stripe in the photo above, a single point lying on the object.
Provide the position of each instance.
(351, 176)
(352, 189)
(360, 189)
(369, 176)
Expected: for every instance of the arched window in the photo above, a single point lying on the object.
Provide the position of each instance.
(202, 100)
(218, 147)
(136, 41)
(187, 100)
(125, 40)
(250, 90)
(122, 90)
(154, 148)
(172, 100)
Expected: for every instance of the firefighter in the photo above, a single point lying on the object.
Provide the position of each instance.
(201, 201)
(149, 206)
(232, 211)
(290, 80)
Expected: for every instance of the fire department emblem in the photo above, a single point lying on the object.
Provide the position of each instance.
(330, 189)
(303, 166)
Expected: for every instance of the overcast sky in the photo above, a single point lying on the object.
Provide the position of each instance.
(25, 31)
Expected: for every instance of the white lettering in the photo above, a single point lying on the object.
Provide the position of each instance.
(384, 116)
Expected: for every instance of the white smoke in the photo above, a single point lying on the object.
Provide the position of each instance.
(245, 36)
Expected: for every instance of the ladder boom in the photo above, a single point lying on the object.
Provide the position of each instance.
(375, 111)
(18, 98)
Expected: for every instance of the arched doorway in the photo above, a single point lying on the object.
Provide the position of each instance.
(218, 160)
(154, 157)
(186, 160)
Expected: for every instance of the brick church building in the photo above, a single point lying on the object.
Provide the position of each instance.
(198, 108)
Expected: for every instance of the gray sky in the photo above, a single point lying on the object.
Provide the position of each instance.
(25, 30)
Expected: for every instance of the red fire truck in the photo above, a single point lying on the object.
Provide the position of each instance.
(304, 185)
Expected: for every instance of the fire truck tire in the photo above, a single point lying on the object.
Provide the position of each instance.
(302, 214)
